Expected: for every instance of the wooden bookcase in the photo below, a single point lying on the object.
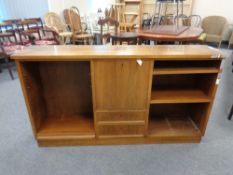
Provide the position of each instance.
(91, 95)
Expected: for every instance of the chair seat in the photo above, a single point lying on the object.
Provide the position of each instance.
(83, 36)
(213, 38)
(65, 34)
(10, 49)
(45, 42)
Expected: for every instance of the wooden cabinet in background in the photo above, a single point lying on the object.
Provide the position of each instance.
(91, 95)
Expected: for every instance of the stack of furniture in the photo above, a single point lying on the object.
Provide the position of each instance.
(89, 95)
(129, 14)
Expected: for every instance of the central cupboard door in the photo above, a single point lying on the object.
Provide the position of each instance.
(121, 96)
(121, 84)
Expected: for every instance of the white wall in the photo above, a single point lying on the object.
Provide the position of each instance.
(214, 7)
(84, 6)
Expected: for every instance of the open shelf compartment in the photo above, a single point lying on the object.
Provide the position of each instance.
(186, 67)
(60, 98)
(179, 120)
(191, 88)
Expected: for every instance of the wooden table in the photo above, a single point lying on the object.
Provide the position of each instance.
(190, 34)
(89, 95)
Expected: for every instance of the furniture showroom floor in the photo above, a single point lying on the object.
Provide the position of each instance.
(19, 154)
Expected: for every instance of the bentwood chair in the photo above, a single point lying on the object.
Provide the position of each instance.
(107, 23)
(78, 35)
(194, 21)
(54, 23)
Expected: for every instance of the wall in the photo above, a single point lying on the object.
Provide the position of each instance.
(215, 7)
(84, 6)
(13, 9)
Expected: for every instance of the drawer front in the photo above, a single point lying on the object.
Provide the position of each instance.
(121, 131)
(121, 116)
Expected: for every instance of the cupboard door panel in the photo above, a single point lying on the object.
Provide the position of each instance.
(122, 85)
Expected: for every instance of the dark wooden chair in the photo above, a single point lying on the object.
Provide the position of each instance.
(39, 25)
(27, 27)
(107, 22)
(7, 31)
(7, 48)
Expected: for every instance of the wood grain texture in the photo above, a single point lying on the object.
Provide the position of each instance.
(104, 97)
(179, 96)
(121, 85)
(160, 52)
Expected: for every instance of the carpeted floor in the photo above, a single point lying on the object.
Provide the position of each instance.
(19, 154)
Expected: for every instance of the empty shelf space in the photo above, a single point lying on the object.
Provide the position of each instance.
(186, 67)
(179, 96)
(185, 70)
(173, 126)
(78, 125)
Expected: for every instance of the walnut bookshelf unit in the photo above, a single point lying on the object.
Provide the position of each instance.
(96, 95)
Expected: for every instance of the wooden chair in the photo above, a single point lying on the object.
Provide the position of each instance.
(167, 20)
(7, 48)
(54, 23)
(109, 22)
(181, 20)
(39, 25)
(27, 27)
(7, 31)
(78, 35)
(194, 21)
(214, 27)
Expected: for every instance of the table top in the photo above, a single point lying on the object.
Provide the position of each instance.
(190, 34)
(130, 52)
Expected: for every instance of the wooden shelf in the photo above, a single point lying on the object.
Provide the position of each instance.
(78, 125)
(179, 96)
(173, 126)
(186, 70)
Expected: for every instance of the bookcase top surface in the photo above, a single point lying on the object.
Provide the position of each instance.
(159, 52)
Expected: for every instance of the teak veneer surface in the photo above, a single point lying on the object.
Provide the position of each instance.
(89, 95)
(162, 52)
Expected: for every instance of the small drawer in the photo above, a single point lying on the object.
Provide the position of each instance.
(121, 131)
(121, 116)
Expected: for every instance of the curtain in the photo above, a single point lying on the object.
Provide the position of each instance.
(2, 10)
(15, 9)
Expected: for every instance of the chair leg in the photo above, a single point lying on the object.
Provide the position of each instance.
(9, 68)
(231, 113)
(219, 45)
